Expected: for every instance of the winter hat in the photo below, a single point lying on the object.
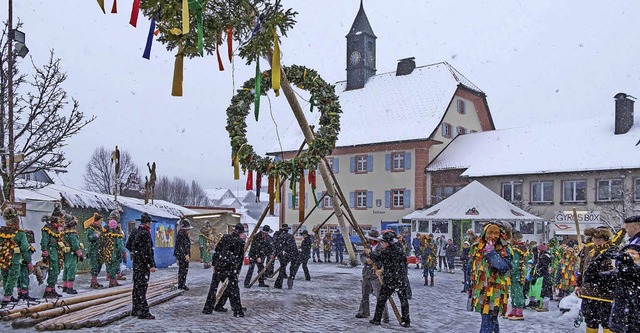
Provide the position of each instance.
(114, 215)
(373, 235)
(145, 218)
(285, 227)
(632, 219)
(389, 236)
(635, 247)
(304, 232)
(69, 221)
(267, 229)
(184, 224)
(239, 228)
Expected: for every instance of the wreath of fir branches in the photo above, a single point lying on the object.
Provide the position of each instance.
(217, 16)
(323, 96)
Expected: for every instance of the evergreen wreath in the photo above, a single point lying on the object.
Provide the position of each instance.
(322, 95)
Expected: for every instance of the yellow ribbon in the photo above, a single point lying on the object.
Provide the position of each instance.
(176, 89)
(185, 17)
(277, 188)
(236, 168)
(275, 66)
(101, 4)
(596, 298)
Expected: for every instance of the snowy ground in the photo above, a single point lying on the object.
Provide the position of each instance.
(327, 303)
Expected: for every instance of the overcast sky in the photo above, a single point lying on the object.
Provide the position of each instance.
(537, 61)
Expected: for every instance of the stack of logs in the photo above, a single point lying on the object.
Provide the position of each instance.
(93, 310)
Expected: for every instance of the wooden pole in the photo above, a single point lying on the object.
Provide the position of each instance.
(575, 219)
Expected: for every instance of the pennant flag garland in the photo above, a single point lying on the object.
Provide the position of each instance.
(114, 8)
(135, 10)
(256, 98)
(185, 17)
(230, 43)
(101, 4)
(176, 89)
(220, 66)
(152, 27)
(249, 184)
(275, 66)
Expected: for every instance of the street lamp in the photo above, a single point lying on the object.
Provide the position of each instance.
(19, 38)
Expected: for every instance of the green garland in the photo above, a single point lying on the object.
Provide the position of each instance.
(323, 96)
(217, 15)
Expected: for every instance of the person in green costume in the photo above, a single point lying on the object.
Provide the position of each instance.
(94, 230)
(112, 251)
(72, 253)
(206, 240)
(23, 279)
(518, 274)
(51, 245)
(14, 248)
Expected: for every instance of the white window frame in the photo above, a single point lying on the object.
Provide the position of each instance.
(326, 202)
(361, 199)
(574, 192)
(397, 199)
(296, 203)
(361, 163)
(397, 161)
(512, 195)
(446, 130)
(462, 107)
(543, 185)
(609, 185)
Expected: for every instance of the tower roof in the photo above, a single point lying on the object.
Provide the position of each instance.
(361, 24)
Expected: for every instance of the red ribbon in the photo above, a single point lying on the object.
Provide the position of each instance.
(249, 185)
(114, 9)
(312, 178)
(134, 13)
(230, 43)
(220, 67)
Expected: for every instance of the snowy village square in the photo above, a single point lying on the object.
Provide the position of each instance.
(319, 166)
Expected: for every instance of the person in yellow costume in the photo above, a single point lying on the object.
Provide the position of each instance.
(14, 247)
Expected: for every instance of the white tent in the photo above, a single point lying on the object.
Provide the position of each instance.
(474, 202)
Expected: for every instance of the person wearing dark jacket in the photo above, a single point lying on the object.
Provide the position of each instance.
(338, 246)
(305, 253)
(597, 292)
(541, 271)
(416, 249)
(287, 253)
(261, 249)
(466, 268)
(450, 252)
(140, 245)
(393, 261)
(181, 251)
(632, 226)
(227, 262)
(625, 309)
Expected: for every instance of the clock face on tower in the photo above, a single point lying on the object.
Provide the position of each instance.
(355, 57)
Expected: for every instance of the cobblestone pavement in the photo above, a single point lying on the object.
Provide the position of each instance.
(327, 303)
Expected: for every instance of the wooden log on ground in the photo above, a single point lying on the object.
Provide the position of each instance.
(73, 307)
(26, 322)
(111, 317)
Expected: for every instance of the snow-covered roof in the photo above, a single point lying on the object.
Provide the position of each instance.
(473, 202)
(229, 202)
(216, 194)
(581, 145)
(390, 108)
(77, 198)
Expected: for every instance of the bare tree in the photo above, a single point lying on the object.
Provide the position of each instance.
(180, 192)
(44, 118)
(197, 195)
(614, 212)
(163, 188)
(99, 171)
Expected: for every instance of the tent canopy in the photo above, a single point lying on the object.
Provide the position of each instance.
(474, 202)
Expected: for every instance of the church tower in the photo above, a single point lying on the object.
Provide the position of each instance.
(361, 51)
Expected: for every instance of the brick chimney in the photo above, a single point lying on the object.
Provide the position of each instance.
(406, 66)
(624, 112)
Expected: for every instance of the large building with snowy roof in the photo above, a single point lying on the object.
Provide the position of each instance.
(392, 125)
(592, 165)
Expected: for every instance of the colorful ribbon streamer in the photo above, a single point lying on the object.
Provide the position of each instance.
(176, 89)
(258, 90)
(276, 188)
(152, 27)
(114, 8)
(302, 197)
(275, 65)
(312, 180)
(220, 66)
(256, 28)
(185, 17)
(135, 10)
(258, 185)
(101, 4)
(196, 5)
(236, 167)
(272, 196)
(249, 185)
(230, 43)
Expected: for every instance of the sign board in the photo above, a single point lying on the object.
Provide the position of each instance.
(20, 207)
(564, 223)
